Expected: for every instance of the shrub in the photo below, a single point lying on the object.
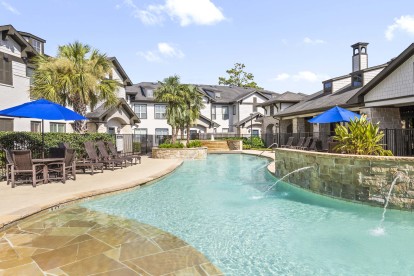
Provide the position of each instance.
(246, 146)
(136, 147)
(362, 137)
(194, 144)
(177, 145)
(254, 142)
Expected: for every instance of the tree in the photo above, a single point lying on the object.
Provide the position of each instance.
(193, 103)
(78, 77)
(238, 77)
(169, 92)
(362, 137)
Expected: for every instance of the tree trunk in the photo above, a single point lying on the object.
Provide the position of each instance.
(173, 134)
(78, 107)
(188, 135)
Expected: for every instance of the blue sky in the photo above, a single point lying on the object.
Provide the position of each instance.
(287, 45)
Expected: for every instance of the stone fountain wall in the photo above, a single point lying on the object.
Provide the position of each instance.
(365, 179)
(184, 153)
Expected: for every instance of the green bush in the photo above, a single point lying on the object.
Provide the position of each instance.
(176, 145)
(254, 142)
(194, 144)
(246, 146)
(361, 137)
(136, 147)
(33, 141)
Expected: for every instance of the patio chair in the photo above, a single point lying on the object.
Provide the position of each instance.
(289, 142)
(57, 152)
(306, 144)
(65, 169)
(92, 161)
(9, 164)
(316, 145)
(23, 167)
(106, 157)
(128, 157)
(300, 143)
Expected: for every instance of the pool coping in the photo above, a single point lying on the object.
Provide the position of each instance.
(8, 220)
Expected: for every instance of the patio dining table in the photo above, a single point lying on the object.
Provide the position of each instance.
(47, 161)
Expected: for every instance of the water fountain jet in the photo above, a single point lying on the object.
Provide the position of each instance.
(286, 175)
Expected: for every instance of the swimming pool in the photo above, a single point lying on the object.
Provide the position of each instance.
(219, 206)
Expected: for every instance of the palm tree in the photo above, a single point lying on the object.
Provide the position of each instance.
(193, 103)
(169, 92)
(79, 77)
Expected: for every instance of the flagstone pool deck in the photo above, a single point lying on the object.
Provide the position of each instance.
(78, 241)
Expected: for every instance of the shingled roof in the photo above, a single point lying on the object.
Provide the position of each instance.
(286, 97)
(101, 111)
(320, 101)
(228, 94)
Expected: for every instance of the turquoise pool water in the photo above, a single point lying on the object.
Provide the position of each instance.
(219, 207)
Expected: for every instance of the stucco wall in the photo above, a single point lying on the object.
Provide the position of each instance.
(189, 154)
(365, 179)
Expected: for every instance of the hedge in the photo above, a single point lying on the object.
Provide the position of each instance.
(33, 141)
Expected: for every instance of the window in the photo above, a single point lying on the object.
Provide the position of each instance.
(255, 132)
(37, 45)
(111, 130)
(140, 134)
(357, 80)
(6, 124)
(160, 135)
(35, 126)
(327, 87)
(218, 95)
(160, 111)
(272, 110)
(29, 73)
(254, 104)
(141, 110)
(225, 112)
(6, 76)
(234, 109)
(213, 112)
(225, 130)
(58, 127)
(150, 93)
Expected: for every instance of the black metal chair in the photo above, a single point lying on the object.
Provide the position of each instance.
(289, 142)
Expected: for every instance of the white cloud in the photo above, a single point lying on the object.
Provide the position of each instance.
(308, 40)
(283, 76)
(10, 8)
(187, 12)
(164, 51)
(404, 23)
(307, 76)
(150, 56)
(168, 50)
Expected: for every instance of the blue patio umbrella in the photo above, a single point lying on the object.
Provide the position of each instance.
(44, 110)
(334, 115)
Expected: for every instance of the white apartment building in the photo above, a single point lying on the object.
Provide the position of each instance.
(227, 109)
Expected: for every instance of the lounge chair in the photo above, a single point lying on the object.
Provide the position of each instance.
(306, 144)
(23, 166)
(65, 169)
(92, 161)
(128, 158)
(106, 158)
(315, 145)
(300, 143)
(289, 142)
(64, 145)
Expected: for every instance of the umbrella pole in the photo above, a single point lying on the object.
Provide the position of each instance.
(43, 138)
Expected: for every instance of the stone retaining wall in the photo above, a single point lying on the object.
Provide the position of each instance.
(365, 179)
(187, 154)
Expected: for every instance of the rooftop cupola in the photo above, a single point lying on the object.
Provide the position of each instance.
(360, 56)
